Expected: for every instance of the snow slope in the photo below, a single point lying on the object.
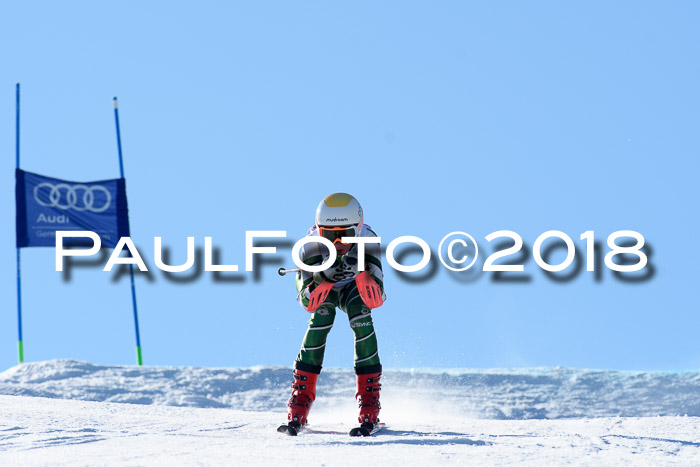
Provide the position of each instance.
(227, 416)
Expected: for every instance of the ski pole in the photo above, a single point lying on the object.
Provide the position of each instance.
(282, 271)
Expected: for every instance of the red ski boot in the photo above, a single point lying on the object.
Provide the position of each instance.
(303, 396)
(367, 395)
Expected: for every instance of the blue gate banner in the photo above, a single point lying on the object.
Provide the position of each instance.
(45, 205)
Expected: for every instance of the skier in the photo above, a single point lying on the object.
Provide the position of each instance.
(341, 286)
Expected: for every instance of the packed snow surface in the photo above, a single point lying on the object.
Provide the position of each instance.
(163, 415)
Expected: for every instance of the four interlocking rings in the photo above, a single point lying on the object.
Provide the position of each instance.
(70, 201)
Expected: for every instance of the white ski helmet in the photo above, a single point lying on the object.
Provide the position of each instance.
(339, 209)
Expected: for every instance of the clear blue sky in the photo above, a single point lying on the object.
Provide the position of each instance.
(526, 116)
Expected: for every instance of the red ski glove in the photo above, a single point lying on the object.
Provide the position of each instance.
(318, 295)
(370, 292)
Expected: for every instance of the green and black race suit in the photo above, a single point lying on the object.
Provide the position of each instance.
(344, 295)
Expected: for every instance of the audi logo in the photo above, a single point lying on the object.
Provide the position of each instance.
(79, 197)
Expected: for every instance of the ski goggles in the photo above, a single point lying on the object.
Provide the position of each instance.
(334, 234)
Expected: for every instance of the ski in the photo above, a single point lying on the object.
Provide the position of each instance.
(367, 429)
(291, 429)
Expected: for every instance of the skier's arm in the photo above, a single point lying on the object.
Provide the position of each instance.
(312, 289)
(370, 283)
(373, 265)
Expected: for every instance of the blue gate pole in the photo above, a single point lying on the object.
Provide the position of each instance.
(139, 356)
(20, 345)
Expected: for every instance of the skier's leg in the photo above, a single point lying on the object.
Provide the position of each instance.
(360, 316)
(368, 369)
(313, 347)
(309, 360)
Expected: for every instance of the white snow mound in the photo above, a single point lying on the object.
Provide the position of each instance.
(543, 393)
